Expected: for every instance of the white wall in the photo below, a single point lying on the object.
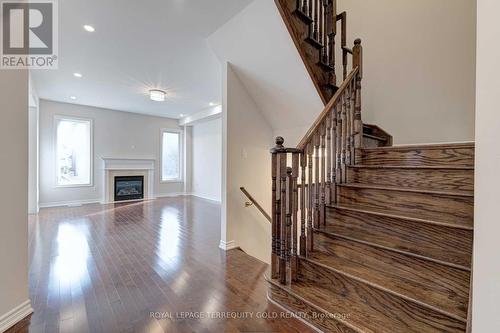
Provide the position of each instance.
(116, 135)
(419, 66)
(270, 68)
(247, 138)
(486, 266)
(14, 200)
(33, 181)
(207, 159)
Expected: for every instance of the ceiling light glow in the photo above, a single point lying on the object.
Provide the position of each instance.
(78, 75)
(89, 28)
(72, 97)
(157, 95)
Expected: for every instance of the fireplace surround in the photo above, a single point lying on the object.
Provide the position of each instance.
(128, 167)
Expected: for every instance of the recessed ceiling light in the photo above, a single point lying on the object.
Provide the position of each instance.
(78, 75)
(212, 104)
(181, 115)
(157, 95)
(72, 97)
(89, 28)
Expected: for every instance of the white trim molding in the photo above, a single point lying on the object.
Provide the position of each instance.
(15, 315)
(69, 203)
(229, 245)
(113, 167)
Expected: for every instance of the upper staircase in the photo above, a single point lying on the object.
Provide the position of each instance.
(367, 237)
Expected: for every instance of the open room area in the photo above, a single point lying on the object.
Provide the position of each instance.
(249, 166)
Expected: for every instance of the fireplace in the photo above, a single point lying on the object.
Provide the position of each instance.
(129, 188)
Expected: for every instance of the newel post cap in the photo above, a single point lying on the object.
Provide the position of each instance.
(357, 41)
(279, 145)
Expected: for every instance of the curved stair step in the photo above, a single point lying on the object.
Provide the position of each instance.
(440, 206)
(437, 286)
(422, 177)
(442, 243)
(455, 154)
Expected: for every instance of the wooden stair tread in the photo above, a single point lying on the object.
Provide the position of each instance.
(435, 285)
(445, 244)
(384, 212)
(374, 137)
(355, 305)
(409, 189)
(416, 167)
(425, 146)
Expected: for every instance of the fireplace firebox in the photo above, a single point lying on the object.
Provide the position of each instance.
(129, 188)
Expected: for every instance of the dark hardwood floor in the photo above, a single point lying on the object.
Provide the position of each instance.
(144, 267)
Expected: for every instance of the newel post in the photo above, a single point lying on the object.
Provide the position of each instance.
(276, 206)
(357, 52)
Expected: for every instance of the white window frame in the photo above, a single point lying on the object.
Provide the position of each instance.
(58, 118)
(180, 179)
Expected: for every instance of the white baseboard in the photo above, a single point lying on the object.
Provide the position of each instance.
(69, 203)
(168, 195)
(204, 197)
(229, 245)
(15, 315)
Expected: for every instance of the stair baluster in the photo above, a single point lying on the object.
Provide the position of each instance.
(334, 157)
(303, 166)
(322, 207)
(316, 181)
(305, 6)
(283, 218)
(328, 160)
(294, 210)
(348, 124)
(309, 151)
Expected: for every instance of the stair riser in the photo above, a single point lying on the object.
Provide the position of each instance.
(313, 316)
(415, 316)
(458, 157)
(433, 241)
(440, 208)
(433, 179)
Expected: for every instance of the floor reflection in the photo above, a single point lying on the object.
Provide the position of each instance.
(70, 265)
(169, 237)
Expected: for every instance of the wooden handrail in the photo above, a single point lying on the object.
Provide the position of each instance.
(255, 203)
(326, 111)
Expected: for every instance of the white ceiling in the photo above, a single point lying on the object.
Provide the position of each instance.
(137, 46)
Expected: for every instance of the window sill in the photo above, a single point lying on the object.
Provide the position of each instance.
(74, 186)
(171, 181)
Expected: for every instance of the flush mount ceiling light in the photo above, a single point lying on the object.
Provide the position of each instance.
(89, 28)
(212, 104)
(78, 75)
(181, 115)
(72, 97)
(157, 95)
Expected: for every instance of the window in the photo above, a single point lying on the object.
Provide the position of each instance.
(170, 156)
(73, 152)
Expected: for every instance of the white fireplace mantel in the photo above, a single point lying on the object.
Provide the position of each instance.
(114, 167)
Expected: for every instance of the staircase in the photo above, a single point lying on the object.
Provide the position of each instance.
(367, 237)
